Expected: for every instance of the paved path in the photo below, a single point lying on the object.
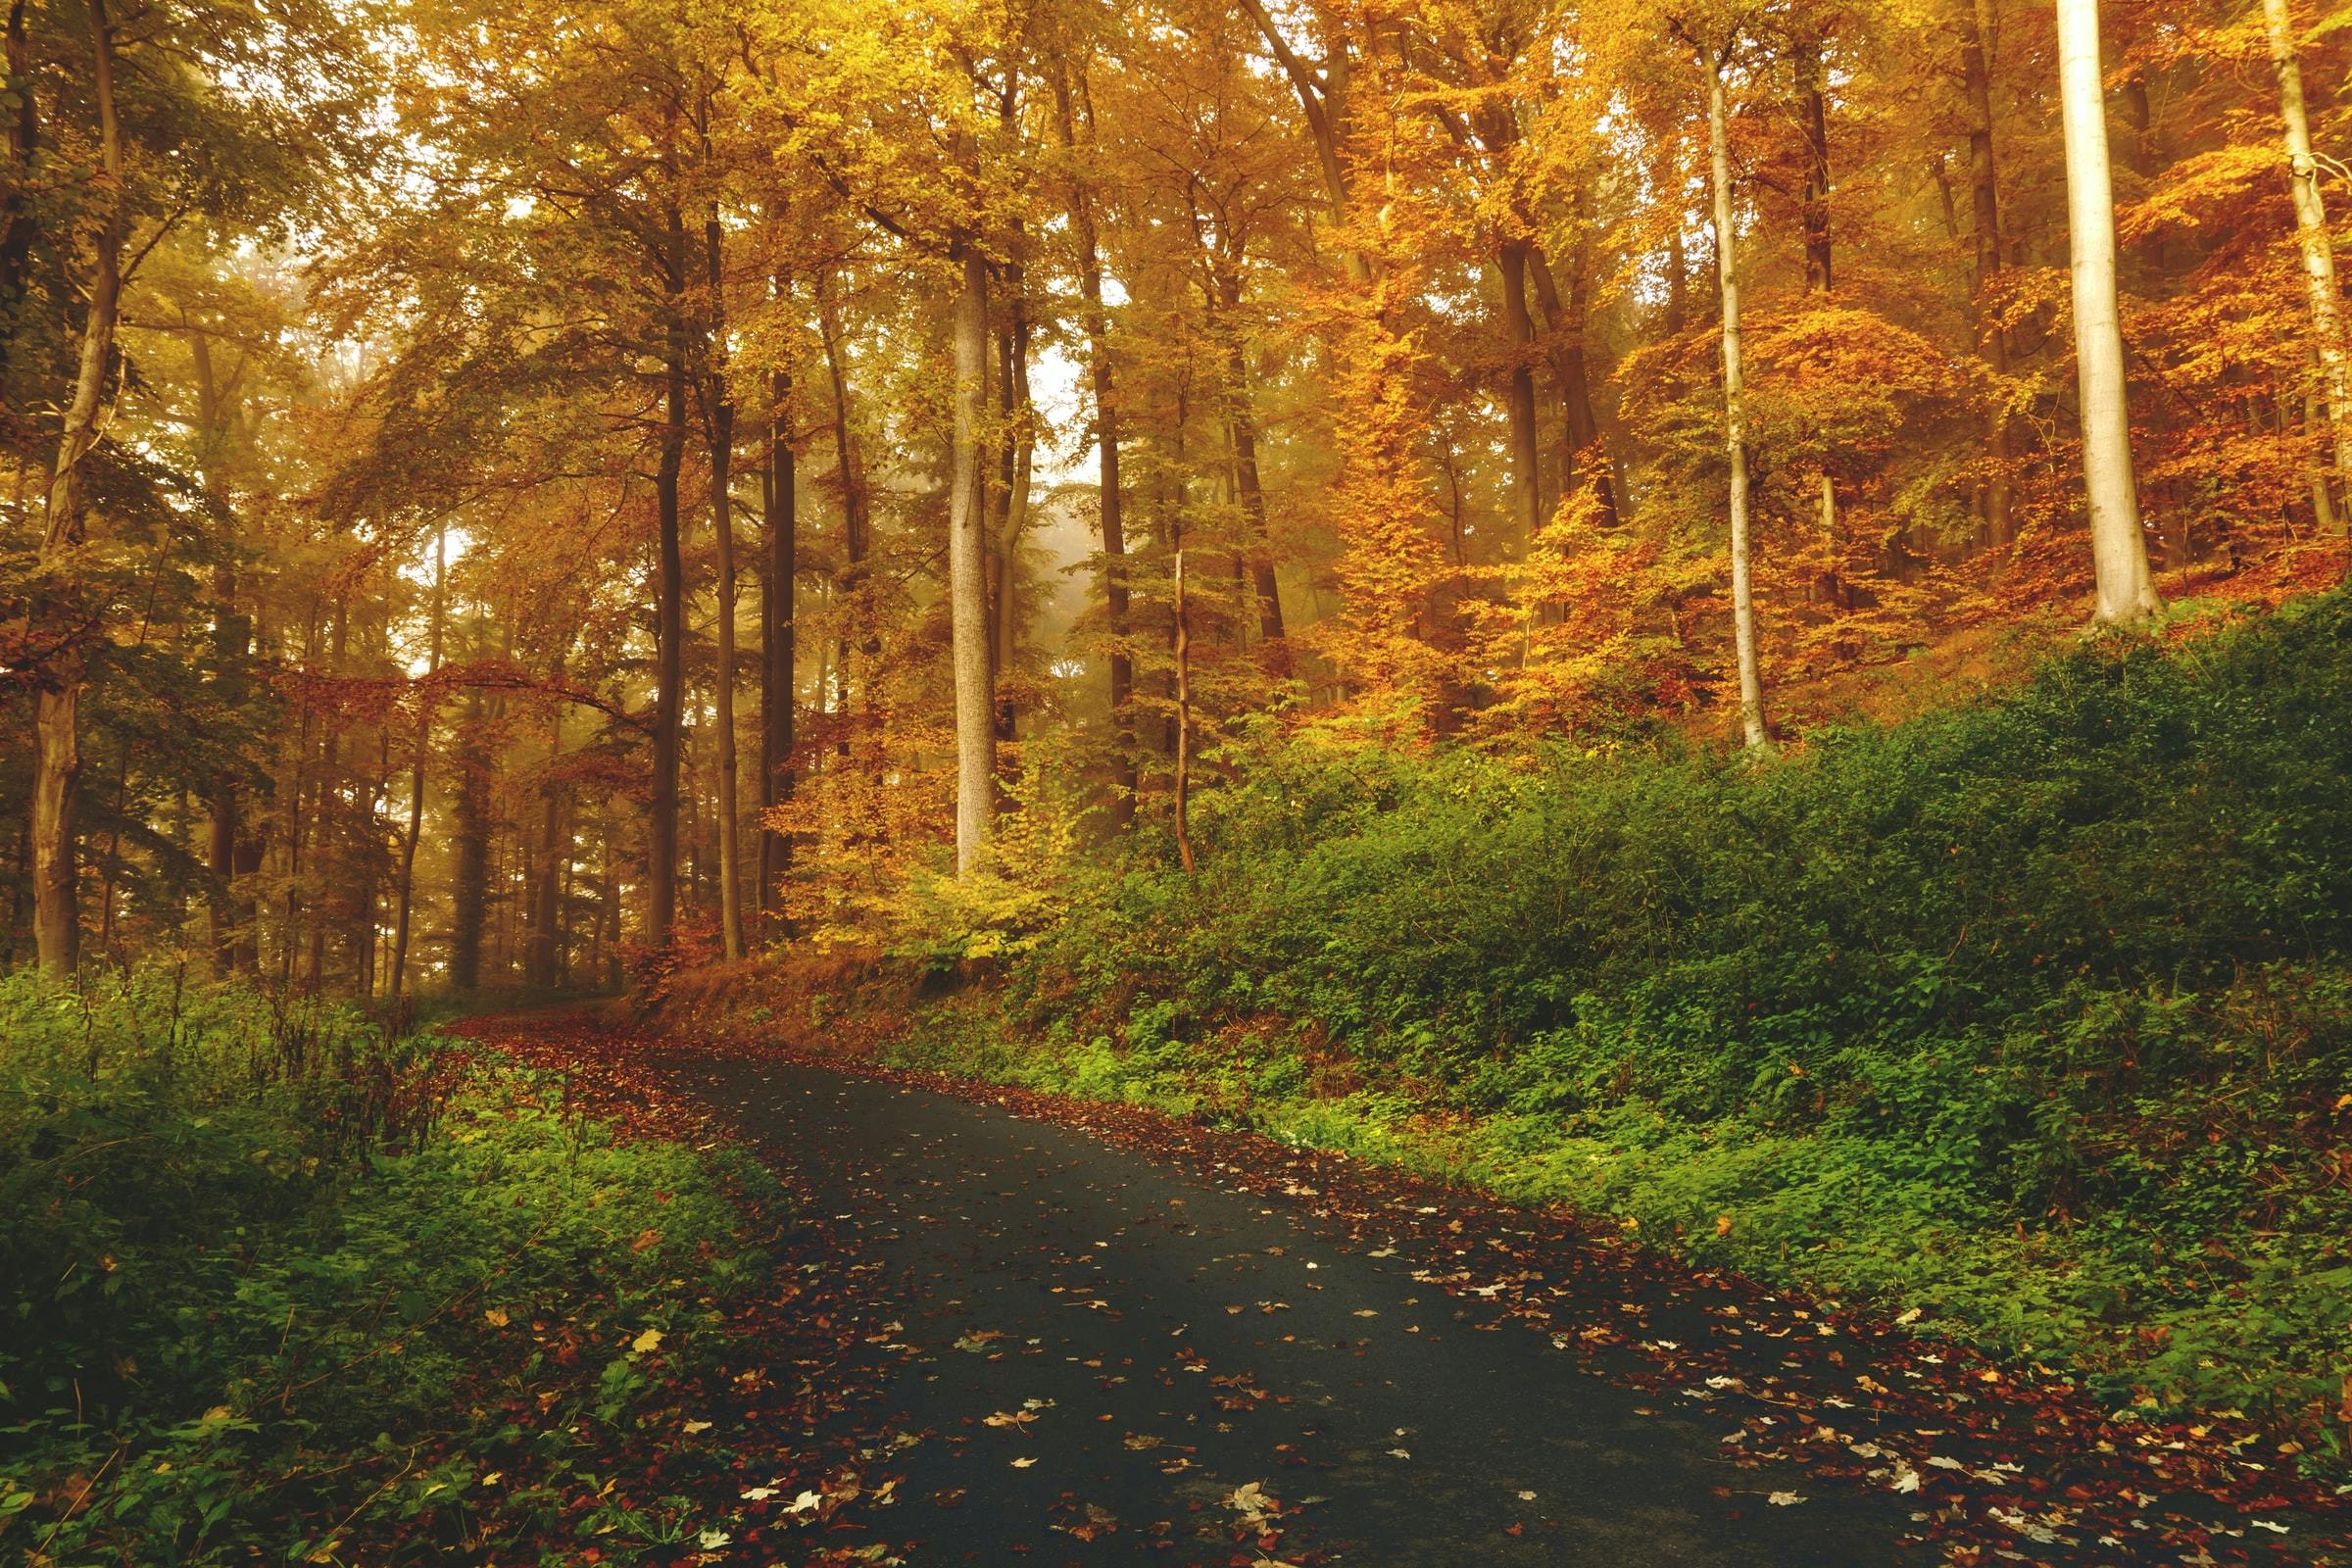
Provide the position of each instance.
(1107, 1348)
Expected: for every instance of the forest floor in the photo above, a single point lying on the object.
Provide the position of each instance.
(1095, 1334)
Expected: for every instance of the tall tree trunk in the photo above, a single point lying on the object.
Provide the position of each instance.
(326, 794)
(1735, 405)
(1017, 458)
(57, 700)
(566, 895)
(1814, 201)
(1241, 424)
(469, 876)
(232, 912)
(669, 618)
(845, 446)
(1678, 280)
(2312, 234)
(722, 527)
(406, 893)
(1106, 449)
(1587, 453)
(293, 790)
(849, 584)
(1976, 75)
(778, 647)
(542, 955)
(1184, 719)
(1323, 103)
(2126, 592)
(968, 574)
(18, 225)
(1519, 340)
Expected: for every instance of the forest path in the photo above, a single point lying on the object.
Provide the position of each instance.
(1054, 1331)
(1162, 1341)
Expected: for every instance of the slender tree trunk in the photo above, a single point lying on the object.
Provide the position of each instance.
(326, 794)
(1735, 404)
(231, 912)
(1519, 341)
(567, 898)
(57, 700)
(1678, 277)
(1814, 201)
(2322, 495)
(1184, 721)
(613, 975)
(2119, 546)
(293, 788)
(967, 574)
(778, 646)
(669, 618)
(2317, 244)
(469, 876)
(722, 527)
(1097, 321)
(1241, 424)
(1587, 454)
(18, 225)
(1975, 74)
(425, 739)
(1017, 454)
(850, 583)
(1323, 103)
(542, 955)
(845, 446)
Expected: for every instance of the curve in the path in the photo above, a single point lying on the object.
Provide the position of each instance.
(1111, 1359)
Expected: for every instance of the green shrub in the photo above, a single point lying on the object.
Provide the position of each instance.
(2035, 1011)
(264, 1267)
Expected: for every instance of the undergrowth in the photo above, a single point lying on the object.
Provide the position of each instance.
(276, 1281)
(2034, 1014)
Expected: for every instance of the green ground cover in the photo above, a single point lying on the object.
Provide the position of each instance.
(279, 1283)
(2034, 1014)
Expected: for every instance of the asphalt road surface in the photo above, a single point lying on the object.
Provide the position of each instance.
(1111, 1357)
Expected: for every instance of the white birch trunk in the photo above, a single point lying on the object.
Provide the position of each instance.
(2126, 592)
(2319, 247)
(1735, 409)
(967, 577)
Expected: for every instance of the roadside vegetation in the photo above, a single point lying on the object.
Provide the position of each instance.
(2032, 1017)
(281, 1283)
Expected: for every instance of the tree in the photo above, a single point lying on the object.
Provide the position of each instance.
(57, 702)
(1715, 59)
(2312, 236)
(2127, 591)
(967, 573)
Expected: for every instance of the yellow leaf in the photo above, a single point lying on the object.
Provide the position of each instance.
(495, 1317)
(649, 1340)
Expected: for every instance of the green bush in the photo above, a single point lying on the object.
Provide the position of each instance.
(264, 1268)
(2035, 1011)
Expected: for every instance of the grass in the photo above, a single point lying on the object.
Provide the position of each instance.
(279, 1283)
